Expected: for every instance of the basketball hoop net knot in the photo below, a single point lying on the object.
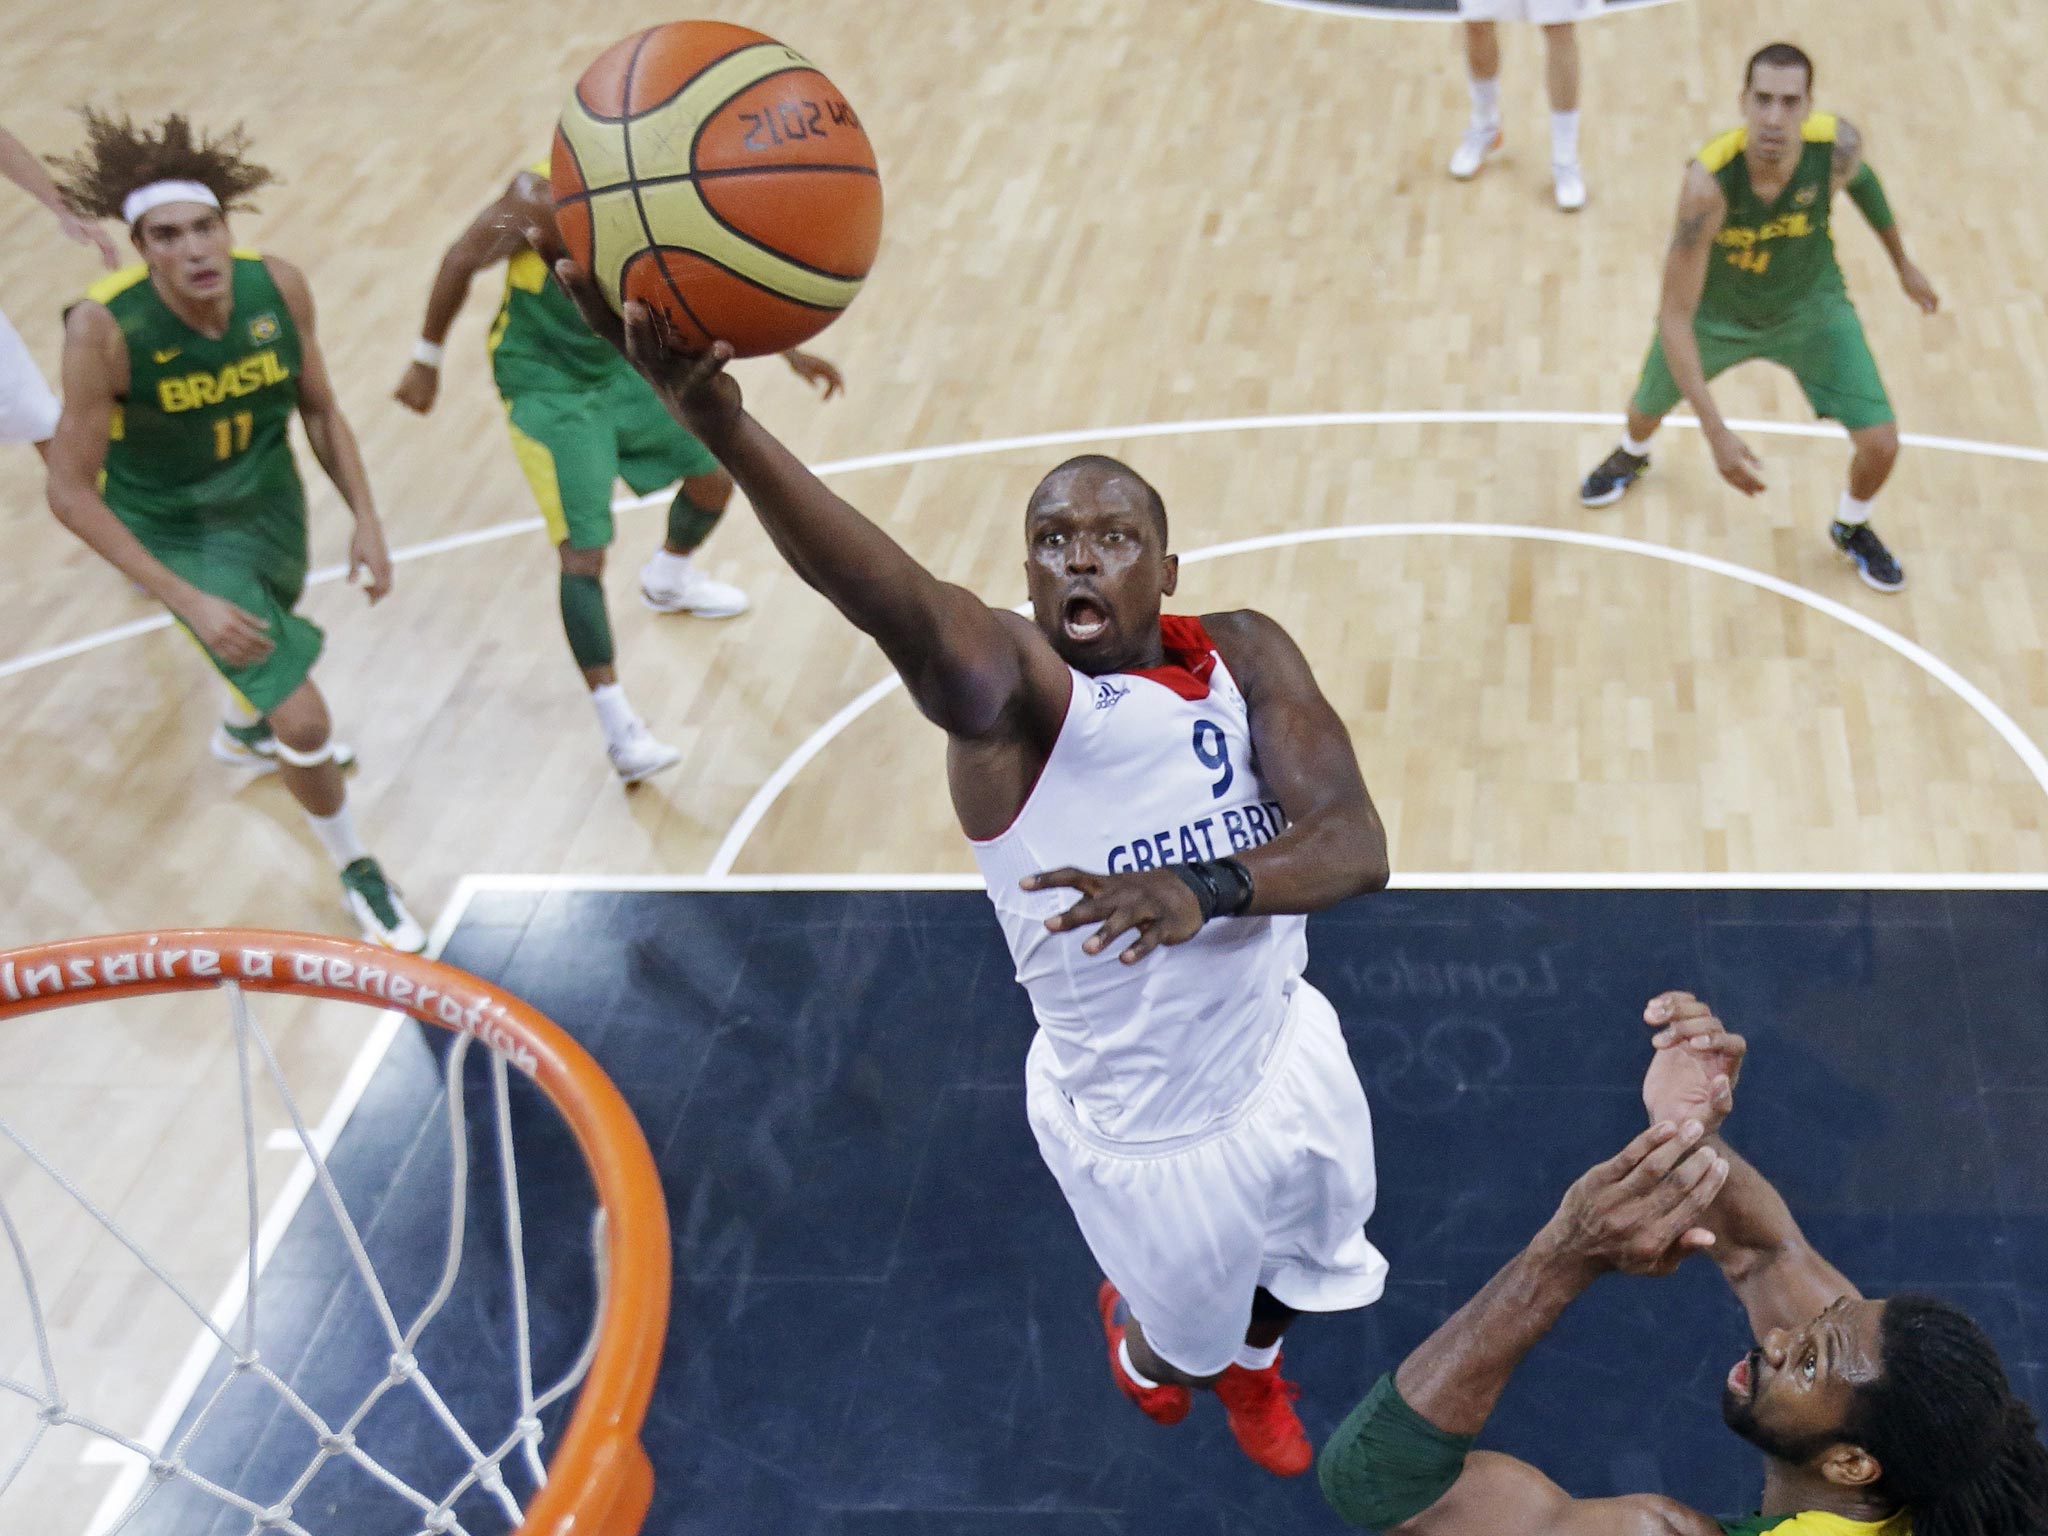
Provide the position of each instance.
(403, 1368)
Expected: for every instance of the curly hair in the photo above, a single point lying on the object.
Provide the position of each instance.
(119, 157)
(1959, 1450)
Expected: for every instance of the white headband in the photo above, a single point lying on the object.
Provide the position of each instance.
(157, 193)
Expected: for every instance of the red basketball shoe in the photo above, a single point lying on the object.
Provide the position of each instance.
(1262, 1417)
(1162, 1405)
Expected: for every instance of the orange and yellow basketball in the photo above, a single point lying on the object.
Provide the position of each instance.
(715, 175)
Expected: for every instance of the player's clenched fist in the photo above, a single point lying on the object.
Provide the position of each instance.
(1156, 904)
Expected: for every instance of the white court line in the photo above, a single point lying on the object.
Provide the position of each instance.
(764, 798)
(31, 660)
(227, 1307)
(1366, 11)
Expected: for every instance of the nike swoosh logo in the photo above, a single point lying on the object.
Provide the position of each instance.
(166, 355)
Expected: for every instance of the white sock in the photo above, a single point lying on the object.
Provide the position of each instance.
(337, 834)
(1564, 137)
(235, 709)
(1630, 445)
(1123, 1358)
(1853, 511)
(1485, 101)
(670, 565)
(1257, 1359)
(615, 714)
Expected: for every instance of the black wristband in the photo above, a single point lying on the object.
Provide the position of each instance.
(1222, 887)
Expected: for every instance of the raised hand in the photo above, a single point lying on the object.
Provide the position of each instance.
(1156, 904)
(1638, 1212)
(1698, 1061)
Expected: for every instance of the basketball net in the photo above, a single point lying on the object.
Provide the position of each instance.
(599, 1480)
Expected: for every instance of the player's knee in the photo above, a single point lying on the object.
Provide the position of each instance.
(581, 562)
(302, 727)
(1879, 446)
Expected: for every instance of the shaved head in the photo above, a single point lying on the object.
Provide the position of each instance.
(1103, 468)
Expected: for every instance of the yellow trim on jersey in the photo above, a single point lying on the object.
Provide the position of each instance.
(114, 284)
(245, 253)
(538, 465)
(526, 271)
(1718, 151)
(1818, 1522)
(1819, 128)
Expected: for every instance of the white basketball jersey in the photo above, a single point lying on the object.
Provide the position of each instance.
(1144, 775)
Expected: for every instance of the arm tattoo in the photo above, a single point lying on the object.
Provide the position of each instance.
(1848, 149)
(1690, 227)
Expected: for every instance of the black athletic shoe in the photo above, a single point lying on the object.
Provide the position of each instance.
(1610, 482)
(1859, 543)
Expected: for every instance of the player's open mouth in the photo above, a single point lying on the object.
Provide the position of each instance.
(1083, 619)
(1739, 1378)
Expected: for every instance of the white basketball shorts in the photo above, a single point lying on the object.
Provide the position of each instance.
(28, 411)
(1543, 12)
(1276, 1196)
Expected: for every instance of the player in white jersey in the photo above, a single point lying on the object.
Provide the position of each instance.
(1189, 780)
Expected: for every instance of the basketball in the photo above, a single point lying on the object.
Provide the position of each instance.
(715, 175)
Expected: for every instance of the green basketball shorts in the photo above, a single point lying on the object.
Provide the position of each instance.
(254, 555)
(573, 445)
(1824, 348)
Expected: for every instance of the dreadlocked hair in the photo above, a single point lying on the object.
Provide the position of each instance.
(119, 157)
(1959, 1451)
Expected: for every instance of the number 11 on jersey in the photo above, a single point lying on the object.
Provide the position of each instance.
(231, 434)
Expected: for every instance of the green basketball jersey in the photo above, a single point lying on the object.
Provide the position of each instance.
(539, 343)
(1771, 258)
(204, 425)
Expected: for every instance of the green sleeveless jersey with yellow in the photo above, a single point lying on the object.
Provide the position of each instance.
(539, 343)
(204, 425)
(1771, 259)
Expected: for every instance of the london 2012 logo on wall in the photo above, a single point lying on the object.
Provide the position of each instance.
(1447, 10)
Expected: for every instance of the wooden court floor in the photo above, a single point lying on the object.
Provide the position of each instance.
(1100, 216)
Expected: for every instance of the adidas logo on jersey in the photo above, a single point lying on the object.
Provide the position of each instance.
(1107, 694)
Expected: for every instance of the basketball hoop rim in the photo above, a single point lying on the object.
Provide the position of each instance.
(599, 1479)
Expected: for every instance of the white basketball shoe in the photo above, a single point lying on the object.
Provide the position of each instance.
(639, 754)
(1481, 141)
(671, 584)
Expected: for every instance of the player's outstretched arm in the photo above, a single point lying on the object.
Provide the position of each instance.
(1403, 1461)
(1781, 1281)
(493, 235)
(1334, 846)
(977, 674)
(95, 374)
(1851, 172)
(333, 440)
